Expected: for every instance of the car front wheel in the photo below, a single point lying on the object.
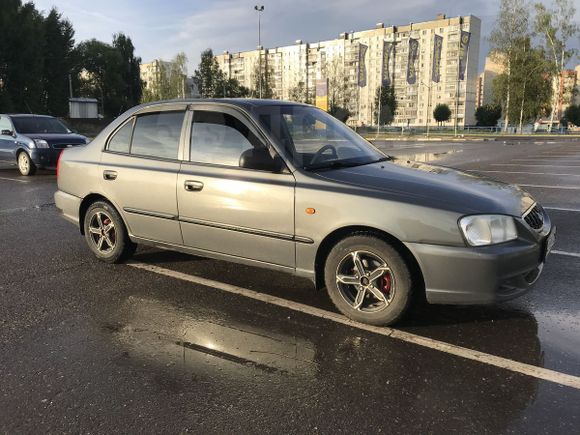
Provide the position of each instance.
(368, 280)
(106, 234)
(25, 165)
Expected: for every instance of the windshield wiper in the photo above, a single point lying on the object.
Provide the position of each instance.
(336, 164)
(339, 164)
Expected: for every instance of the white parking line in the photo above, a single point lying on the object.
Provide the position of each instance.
(526, 173)
(569, 254)
(533, 165)
(441, 346)
(566, 160)
(577, 210)
(14, 179)
(542, 186)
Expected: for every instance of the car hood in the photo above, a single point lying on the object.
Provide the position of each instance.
(435, 186)
(57, 138)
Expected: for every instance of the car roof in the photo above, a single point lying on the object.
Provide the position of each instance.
(26, 115)
(246, 103)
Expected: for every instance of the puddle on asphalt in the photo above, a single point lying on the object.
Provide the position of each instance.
(427, 157)
(169, 336)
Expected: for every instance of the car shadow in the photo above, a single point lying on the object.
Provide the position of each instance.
(152, 255)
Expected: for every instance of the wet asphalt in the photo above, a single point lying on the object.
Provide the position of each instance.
(89, 347)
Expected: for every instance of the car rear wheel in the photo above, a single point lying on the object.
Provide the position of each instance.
(106, 234)
(368, 280)
(25, 165)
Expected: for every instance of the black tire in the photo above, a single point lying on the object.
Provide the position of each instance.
(112, 245)
(25, 165)
(395, 285)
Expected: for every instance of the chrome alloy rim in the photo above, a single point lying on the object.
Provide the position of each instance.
(102, 232)
(23, 162)
(365, 281)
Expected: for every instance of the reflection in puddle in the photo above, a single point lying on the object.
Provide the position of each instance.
(166, 334)
(427, 157)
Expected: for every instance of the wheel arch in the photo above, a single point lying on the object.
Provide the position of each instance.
(19, 150)
(86, 203)
(341, 233)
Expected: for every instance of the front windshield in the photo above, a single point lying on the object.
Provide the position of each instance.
(314, 139)
(38, 124)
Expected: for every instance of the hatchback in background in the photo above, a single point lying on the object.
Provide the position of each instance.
(35, 141)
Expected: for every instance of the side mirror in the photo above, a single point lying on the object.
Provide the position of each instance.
(7, 133)
(260, 159)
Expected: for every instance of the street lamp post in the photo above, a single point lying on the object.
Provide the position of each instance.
(259, 9)
(428, 118)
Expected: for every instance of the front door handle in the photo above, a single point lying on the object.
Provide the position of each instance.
(193, 186)
(109, 175)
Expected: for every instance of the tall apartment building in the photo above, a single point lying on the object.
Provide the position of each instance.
(151, 76)
(427, 63)
(150, 72)
(485, 90)
(567, 86)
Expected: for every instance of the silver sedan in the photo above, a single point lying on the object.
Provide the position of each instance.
(288, 187)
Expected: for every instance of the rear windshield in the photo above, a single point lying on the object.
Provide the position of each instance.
(36, 124)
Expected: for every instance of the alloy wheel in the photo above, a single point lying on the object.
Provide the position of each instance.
(23, 163)
(365, 281)
(102, 232)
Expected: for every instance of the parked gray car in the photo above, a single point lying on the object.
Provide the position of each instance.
(286, 186)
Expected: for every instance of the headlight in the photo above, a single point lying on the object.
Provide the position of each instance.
(482, 230)
(41, 143)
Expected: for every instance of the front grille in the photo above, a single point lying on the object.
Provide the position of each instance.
(61, 146)
(535, 217)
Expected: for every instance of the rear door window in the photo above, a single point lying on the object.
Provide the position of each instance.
(157, 134)
(121, 140)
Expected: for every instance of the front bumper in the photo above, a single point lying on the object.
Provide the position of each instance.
(485, 275)
(45, 157)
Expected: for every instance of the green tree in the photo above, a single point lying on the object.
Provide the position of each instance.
(130, 71)
(387, 101)
(100, 75)
(511, 28)
(488, 115)
(342, 101)
(340, 113)
(526, 88)
(572, 114)
(208, 76)
(173, 76)
(442, 113)
(263, 77)
(37, 55)
(231, 88)
(170, 82)
(299, 93)
(557, 26)
(58, 48)
(22, 58)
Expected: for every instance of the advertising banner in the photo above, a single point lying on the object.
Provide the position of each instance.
(413, 55)
(437, 46)
(463, 50)
(322, 94)
(362, 66)
(388, 51)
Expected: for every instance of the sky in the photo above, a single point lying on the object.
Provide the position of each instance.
(163, 28)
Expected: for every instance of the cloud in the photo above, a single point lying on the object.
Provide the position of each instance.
(161, 28)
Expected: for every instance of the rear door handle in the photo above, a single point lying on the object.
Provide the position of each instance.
(109, 175)
(193, 186)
